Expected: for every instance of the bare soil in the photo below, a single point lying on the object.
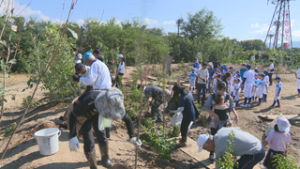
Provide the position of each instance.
(23, 152)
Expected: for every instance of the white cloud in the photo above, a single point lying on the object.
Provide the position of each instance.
(169, 22)
(148, 21)
(256, 25)
(118, 23)
(80, 22)
(296, 35)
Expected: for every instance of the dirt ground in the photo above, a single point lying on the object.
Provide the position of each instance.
(23, 151)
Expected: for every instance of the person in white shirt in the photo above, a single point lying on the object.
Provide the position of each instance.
(271, 71)
(84, 109)
(120, 71)
(248, 84)
(297, 74)
(202, 75)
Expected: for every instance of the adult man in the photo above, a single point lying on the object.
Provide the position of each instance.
(99, 78)
(271, 71)
(217, 64)
(202, 75)
(246, 145)
(84, 72)
(297, 74)
(197, 64)
(247, 84)
(156, 93)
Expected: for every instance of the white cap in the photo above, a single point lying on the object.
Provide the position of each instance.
(120, 56)
(78, 61)
(283, 124)
(79, 55)
(201, 141)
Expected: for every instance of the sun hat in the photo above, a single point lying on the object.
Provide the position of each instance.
(120, 56)
(283, 124)
(201, 141)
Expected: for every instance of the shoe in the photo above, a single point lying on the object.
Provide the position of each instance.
(277, 106)
(243, 105)
(248, 105)
(271, 106)
(158, 121)
(212, 158)
(181, 144)
(92, 160)
(104, 154)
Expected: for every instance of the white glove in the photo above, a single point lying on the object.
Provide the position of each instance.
(73, 144)
(137, 143)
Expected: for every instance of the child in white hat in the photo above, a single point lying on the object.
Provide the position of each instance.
(277, 141)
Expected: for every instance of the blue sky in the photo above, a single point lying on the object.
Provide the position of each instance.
(241, 19)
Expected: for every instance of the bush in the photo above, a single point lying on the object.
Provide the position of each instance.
(283, 162)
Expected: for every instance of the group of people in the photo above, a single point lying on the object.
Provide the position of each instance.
(95, 77)
(255, 85)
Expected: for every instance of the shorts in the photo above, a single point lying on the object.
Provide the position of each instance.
(298, 83)
(248, 90)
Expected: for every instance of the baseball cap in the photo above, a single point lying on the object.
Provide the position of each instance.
(262, 75)
(277, 78)
(79, 55)
(283, 124)
(248, 65)
(201, 141)
(78, 67)
(256, 68)
(120, 56)
(216, 68)
(233, 68)
(238, 75)
(266, 72)
(86, 55)
(238, 72)
(256, 74)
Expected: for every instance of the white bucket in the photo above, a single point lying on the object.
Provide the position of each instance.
(47, 140)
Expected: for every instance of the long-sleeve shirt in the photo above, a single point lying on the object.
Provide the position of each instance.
(99, 76)
(245, 143)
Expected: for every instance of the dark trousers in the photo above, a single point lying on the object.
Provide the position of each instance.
(129, 126)
(201, 87)
(154, 107)
(249, 161)
(270, 77)
(184, 129)
(88, 136)
(269, 162)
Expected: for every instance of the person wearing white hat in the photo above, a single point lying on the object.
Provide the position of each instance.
(78, 58)
(120, 71)
(277, 141)
(246, 145)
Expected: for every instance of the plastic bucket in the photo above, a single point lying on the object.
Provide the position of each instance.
(47, 140)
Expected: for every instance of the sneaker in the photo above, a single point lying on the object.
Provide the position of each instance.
(271, 106)
(248, 105)
(243, 105)
(277, 106)
(181, 144)
(211, 158)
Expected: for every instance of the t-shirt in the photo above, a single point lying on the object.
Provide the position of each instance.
(278, 88)
(249, 75)
(298, 73)
(242, 71)
(271, 67)
(192, 76)
(277, 141)
(203, 73)
(256, 82)
(189, 111)
(122, 67)
(153, 91)
(267, 79)
(197, 65)
(237, 88)
(261, 84)
(99, 76)
(245, 143)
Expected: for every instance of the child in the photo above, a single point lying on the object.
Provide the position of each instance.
(278, 89)
(265, 92)
(192, 76)
(256, 79)
(261, 86)
(277, 140)
(217, 79)
(120, 71)
(243, 70)
(236, 91)
(232, 73)
(222, 110)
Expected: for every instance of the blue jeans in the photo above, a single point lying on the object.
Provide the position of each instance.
(249, 161)
(208, 90)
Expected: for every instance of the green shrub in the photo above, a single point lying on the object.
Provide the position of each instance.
(283, 162)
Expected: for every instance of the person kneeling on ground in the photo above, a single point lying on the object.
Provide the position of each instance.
(189, 112)
(246, 145)
(220, 118)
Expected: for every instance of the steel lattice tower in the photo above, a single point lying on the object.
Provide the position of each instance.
(280, 31)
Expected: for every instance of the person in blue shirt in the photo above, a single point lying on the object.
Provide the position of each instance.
(193, 77)
(197, 64)
(243, 70)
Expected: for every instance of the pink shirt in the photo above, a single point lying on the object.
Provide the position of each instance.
(277, 141)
